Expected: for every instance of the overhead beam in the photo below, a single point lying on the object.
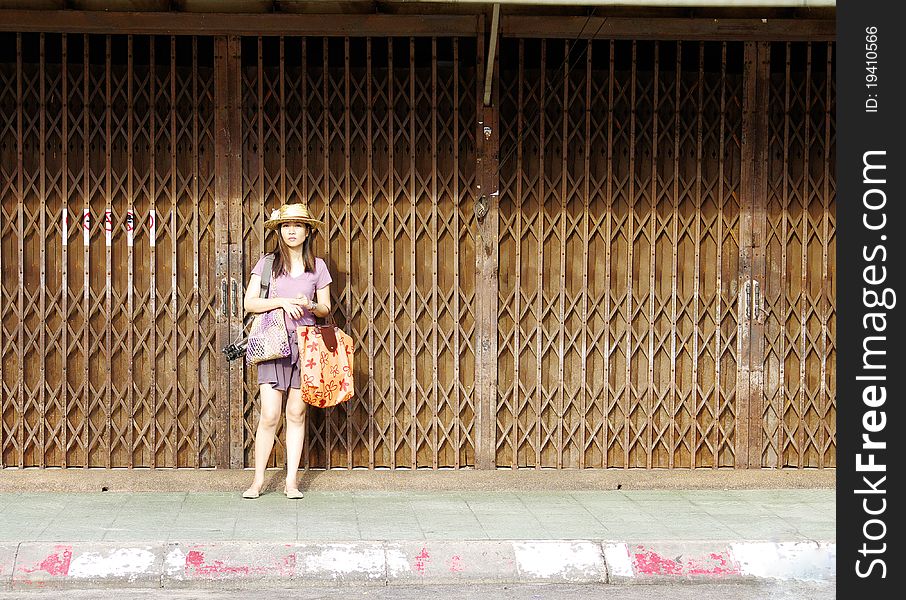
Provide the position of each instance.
(779, 30)
(174, 23)
(651, 3)
(73, 21)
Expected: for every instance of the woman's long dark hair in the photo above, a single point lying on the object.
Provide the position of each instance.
(281, 252)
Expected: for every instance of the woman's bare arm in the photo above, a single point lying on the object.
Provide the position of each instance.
(254, 304)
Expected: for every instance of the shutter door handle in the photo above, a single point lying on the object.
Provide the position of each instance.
(223, 297)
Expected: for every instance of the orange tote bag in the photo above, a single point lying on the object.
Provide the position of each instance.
(325, 356)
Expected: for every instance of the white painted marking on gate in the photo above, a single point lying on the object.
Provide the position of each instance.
(130, 227)
(108, 227)
(152, 222)
(86, 227)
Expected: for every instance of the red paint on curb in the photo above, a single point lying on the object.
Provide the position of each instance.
(648, 562)
(56, 564)
(725, 567)
(196, 560)
(455, 564)
(652, 563)
(421, 561)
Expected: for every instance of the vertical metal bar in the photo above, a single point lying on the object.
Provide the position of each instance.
(826, 302)
(130, 257)
(652, 297)
(108, 216)
(561, 294)
(282, 122)
(413, 291)
(153, 253)
(517, 237)
(370, 241)
(64, 262)
(759, 238)
(86, 250)
(20, 243)
(434, 282)
(586, 176)
(196, 300)
(785, 283)
(391, 137)
(608, 435)
(42, 460)
(260, 164)
(457, 400)
(755, 163)
(306, 448)
(235, 248)
(698, 237)
(486, 258)
(803, 290)
(328, 455)
(539, 282)
(174, 237)
(303, 85)
(718, 391)
(630, 235)
(221, 233)
(671, 462)
(347, 185)
(239, 378)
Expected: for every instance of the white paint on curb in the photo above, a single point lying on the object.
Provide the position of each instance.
(397, 563)
(123, 562)
(619, 563)
(548, 559)
(790, 560)
(175, 562)
(345, 559)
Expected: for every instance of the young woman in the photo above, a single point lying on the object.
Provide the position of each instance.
(300, 285)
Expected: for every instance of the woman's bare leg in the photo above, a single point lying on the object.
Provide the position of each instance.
(271, 400)
(295, 436)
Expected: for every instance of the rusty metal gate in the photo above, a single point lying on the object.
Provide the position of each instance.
(666, 290)
(662, 281)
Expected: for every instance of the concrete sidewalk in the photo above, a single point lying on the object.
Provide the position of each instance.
(179, 539)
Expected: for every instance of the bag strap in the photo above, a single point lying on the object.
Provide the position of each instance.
(266, 272)
(265, 292)
(327, 327)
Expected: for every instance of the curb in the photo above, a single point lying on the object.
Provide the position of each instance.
(200, 565)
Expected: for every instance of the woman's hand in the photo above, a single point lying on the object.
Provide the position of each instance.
(294, 306)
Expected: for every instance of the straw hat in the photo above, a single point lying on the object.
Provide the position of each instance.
(291, 213)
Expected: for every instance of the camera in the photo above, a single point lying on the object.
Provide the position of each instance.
(234, 350)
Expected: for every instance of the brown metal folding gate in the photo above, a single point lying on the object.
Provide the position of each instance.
(660, 263)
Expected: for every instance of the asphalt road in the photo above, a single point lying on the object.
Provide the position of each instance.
(684, 591)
